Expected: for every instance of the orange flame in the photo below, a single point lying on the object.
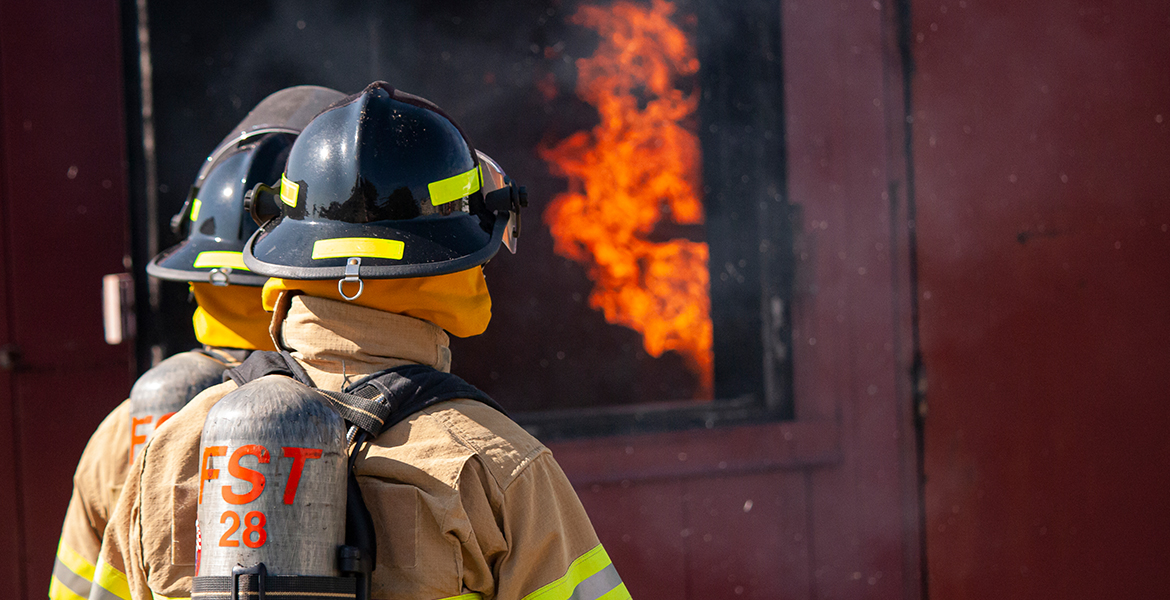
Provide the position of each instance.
(640, 165)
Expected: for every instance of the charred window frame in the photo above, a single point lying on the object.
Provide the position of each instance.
(749, 230)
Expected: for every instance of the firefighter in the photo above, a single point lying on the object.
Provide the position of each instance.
(229, 320)
(387, 215)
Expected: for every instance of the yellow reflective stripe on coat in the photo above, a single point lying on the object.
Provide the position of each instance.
(109, 584)
(74, 561)
(471, 596)
(618, 593)
(454, 188)
(590, 577)
(72, 574)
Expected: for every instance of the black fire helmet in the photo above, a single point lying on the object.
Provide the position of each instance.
(383, 185)
(214, 217)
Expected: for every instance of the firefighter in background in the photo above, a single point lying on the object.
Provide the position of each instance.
(375, 258)
(229, 321)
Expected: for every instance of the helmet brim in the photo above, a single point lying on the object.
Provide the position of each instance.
(177, 263)
(429, 246)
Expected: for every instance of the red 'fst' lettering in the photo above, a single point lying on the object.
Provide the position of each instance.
(299, 456)
(245, 474)
(206, 473)
(163, 419)
(137, 439)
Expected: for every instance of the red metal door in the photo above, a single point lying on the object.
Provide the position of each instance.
(63, 206)
(1041, 145)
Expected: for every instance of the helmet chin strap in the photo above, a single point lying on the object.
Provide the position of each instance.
(351, 274)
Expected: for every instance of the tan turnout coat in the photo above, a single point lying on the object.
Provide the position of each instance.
(96, 486)
(466, 503)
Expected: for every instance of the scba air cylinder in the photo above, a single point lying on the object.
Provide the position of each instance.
(272, 486)
(166, 388)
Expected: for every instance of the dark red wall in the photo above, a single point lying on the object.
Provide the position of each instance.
(825, 506)
(1042, 154)
(63, 221)
(822, 506)
(1039, 150)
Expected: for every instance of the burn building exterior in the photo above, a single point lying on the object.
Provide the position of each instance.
(927, 353)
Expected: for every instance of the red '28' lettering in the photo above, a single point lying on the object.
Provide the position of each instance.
(254, 524)
(254, 534)
(226, 541)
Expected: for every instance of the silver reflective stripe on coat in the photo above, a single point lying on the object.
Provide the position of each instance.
(76, 583)
(98, 592)
(597, 585)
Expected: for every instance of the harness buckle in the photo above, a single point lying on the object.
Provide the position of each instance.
(261, 573)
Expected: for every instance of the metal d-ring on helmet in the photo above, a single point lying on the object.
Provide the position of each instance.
(384, 185)
(214, 217)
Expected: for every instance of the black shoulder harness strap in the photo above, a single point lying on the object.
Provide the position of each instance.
(375, 402)
(228, 356)
(379, 401)
(264, 362)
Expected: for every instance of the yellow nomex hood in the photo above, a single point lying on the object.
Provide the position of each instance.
(231, 317)
(457, 302)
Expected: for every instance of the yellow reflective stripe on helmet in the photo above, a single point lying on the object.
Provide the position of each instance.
(60, 591)
(471, 596)
(367, 247)
(195, 206)
(220, 258)
(590, 577)
(454, 188)
(109, 584)
(289, 191)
